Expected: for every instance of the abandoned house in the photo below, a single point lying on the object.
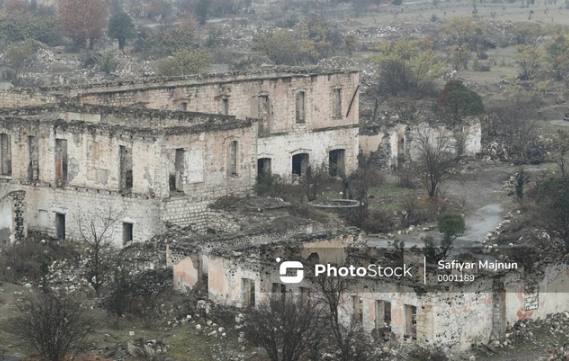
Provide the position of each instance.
(307, 116)
(452, 315)
(397, 145)
(146, 168)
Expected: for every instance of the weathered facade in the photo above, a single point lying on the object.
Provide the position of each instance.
(146, 167)
(397, 145)
(306, 116)
(454, 315)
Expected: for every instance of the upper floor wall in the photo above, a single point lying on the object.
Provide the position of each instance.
(191, 161)
(284, 102)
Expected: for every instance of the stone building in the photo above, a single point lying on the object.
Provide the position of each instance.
(146, 168)
(453, 315)
(158, 151)
(306, 115)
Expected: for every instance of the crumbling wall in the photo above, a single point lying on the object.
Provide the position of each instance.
(83, 205)
(12, 216)
(22, 98)
(396, 144)
(536, 297)
(204, 94)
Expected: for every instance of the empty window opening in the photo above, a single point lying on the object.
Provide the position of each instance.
(279, 291)
(60, 225)
(300, 164)
(411, 322)
(61, 161)
(336, 162)
(33, 159)
(248, 292)
(357, 307)
(233, 161)
(126, 233)
(263, 114)
(382, 314)
(182, 106)
(263, 166)
(300, 107)
(125, 168)
(224, 106)
(176, 170)
(337, 103)
(5, 155)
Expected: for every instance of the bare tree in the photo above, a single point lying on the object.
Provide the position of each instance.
(512, 125)
(435, 158)
(561, 149)
(52, 325)
(286, 329)
(357, 184)
(97, 231)
(349, 339)
(313, 182)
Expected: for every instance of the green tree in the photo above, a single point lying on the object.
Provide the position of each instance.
(283, 48)
(464, 31)
(121, 27)
(529, 59)
(203, 10)
(404, 68)
(557, 50)
(451, 225)
(553, 199)
(184, 62)
(457, 101)
(459, 56)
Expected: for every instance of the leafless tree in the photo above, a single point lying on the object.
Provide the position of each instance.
(287, 329)
(97, 231)
(52, 325)
(513, 127)
(313, 182)
(357, 184)
(350, 340)
(435, 158)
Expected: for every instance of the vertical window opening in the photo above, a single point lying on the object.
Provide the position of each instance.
(5, 154)
(61, 161)
(33, 161)
(300, 107)
(125, 169)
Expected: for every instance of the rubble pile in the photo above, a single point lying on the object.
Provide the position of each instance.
(549, 334)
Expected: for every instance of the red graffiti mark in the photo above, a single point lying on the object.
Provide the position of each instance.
(523, 315)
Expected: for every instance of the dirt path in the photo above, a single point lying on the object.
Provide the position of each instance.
(484, 207)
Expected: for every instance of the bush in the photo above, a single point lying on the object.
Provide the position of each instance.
(428, 355)
(52, 325)
(21, 261)
(166, 42)
(21, 26)
(372, 221)
(184, 63)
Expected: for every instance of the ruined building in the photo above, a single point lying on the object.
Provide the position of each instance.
(160, 150)
(145, 167)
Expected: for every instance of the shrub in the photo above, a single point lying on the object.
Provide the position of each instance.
(22, 260)
(184, 63)
(21, 26)
(52, 325)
